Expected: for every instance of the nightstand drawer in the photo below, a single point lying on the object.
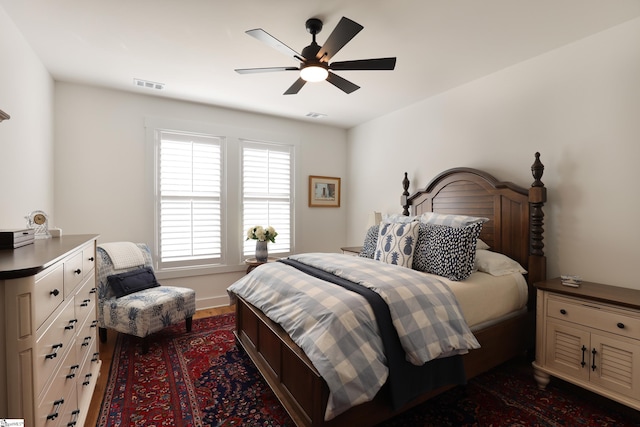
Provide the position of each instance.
(594, 315)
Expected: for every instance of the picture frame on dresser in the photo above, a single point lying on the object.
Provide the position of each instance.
(324, 192)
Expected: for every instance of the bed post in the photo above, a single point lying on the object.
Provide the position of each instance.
(537, 197)
(404, 200)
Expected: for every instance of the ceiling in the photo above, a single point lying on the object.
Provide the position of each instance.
(193, 46)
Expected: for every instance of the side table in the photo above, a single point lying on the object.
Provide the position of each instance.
(253, 263)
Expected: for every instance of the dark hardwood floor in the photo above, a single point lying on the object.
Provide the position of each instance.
(106, 354)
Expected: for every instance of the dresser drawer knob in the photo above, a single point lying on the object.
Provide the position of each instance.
(91, 259)
(85, 303)
(55, 349)
(54, 292)
(621, 325)
(72, 371)
(85, 341)
(56, 408)
(77, 271)
(74, 418)
(563, 311)
(87, 379)
(71, 324)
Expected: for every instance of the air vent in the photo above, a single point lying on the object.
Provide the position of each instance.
(148, 84)
(315, 115)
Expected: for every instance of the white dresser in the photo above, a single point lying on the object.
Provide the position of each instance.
(589, 336)
(49, 359)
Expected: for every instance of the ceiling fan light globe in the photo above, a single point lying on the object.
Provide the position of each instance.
(314, 73)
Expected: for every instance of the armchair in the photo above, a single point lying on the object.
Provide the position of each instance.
(131, 311)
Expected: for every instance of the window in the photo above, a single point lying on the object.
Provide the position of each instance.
(210, 185)
(189, 224)
(266, 192)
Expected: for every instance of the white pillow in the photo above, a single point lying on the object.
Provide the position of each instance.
(397, 218)
(450, 220)
(481, 245)
(496, 264)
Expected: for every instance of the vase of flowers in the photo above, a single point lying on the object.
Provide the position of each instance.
(262, 236)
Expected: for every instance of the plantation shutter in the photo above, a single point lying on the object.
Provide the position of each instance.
(190, 221)
(266, 193)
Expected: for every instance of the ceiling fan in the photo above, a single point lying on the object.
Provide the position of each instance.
(314, 60)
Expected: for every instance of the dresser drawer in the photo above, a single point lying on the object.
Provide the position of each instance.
(88, 259)
(52, 343)
(86, 342)
(594, 315)
(85, 299)
(73, 273)
(59, 399)
(49, 293)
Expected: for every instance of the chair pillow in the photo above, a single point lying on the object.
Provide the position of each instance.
(132, 281)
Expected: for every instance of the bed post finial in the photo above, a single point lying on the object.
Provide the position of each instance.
(404, 200)
(537, 169)
(537, 198)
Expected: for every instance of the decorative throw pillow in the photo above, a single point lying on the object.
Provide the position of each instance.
(450, 220)
(481, 245)
(132, 281)
(394, 218)
(447, 251)
(497, 264)
(396, 243)
(370, 241)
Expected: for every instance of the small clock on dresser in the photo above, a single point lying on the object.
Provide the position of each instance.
(39, 222)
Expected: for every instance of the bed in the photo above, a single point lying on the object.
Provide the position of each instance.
(514, 227)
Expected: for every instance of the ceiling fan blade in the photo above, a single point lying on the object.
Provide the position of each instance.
(295, 87)
(342, 84)
(267, 38)
(365, 64)
(340, 36)
(265, 70)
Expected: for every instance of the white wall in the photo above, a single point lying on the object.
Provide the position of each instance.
(579, 106)
(102, 176)
(26, 139)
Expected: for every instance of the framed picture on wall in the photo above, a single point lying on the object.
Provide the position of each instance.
(324, 192)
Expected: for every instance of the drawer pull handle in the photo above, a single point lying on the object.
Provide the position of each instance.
(85, 303)
(55, 349)
(54, 292)
(87, 379)
(584, 350)
(95, 357)
(94, 324)
(91, 259)
(563, 311)
(86, 341)
(56, 407)
(74, 418)
(72, 371)
(621, 325)
(77, 271)
(93, 290)
(593, 362)
(70, 325)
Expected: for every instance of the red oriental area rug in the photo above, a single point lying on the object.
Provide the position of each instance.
(202, 379)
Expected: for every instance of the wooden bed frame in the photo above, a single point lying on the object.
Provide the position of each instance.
(515, 228)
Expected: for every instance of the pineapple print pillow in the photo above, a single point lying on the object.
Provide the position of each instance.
(396, 243)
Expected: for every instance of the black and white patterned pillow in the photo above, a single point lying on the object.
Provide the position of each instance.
(396, 243)
(446, 251)
(370, 241)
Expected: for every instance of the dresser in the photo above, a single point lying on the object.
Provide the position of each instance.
(49, 359)
(589, 336)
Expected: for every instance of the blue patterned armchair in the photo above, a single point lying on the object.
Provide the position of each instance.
(138, 312)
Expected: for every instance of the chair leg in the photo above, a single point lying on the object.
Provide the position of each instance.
(102, 332)
(189, 321)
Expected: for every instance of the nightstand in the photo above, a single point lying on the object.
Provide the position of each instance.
(589, 336)
(351, 250)
(253, 263)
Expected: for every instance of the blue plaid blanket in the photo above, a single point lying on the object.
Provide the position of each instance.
(337, 329)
